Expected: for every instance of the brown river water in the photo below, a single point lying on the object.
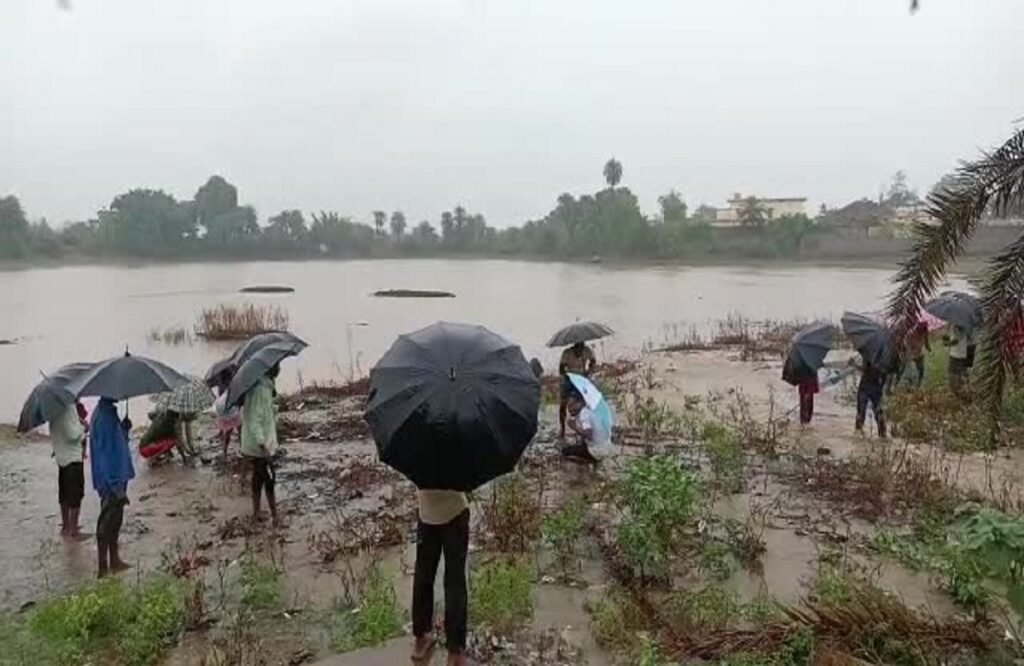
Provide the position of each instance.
(81, 313)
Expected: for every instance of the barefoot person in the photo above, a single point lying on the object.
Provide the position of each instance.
(443, 528)
(112, 469)
(578, 359)
(259, 441)
(67, 435)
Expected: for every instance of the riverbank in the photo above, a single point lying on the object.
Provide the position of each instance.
(775, 514)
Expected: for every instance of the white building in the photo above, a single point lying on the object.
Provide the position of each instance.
(773, 208)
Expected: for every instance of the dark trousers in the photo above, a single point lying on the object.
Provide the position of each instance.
(870, 392)
(264, 477)
(71, 485)
(108, 524)
(452, 539)
(579, 452)
(806, 407)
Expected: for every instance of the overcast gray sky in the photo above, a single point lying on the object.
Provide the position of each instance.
(499, 105)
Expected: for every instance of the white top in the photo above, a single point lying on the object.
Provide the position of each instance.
(440, 507)
(599, 443)
(66, 435)
(960, 340)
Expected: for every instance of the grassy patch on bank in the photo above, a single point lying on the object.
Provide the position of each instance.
(237, 322)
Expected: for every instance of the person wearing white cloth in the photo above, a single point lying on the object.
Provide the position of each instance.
(594, 440)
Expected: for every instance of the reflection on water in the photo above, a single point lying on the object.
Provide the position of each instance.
(70, 314)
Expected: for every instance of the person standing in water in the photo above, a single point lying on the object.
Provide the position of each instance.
(443, 528)
(871, 389)
(67, 434)
(259, 441)
(578, 359)
(112, 469)
(806, 389)
(917, 343)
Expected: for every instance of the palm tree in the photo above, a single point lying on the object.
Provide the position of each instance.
(751, 213)
(613, 172)
(991, 185)
(398, 224)
(379, 217)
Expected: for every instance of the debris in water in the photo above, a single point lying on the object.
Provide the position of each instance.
(267, 289)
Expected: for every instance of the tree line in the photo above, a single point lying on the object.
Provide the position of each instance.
(147, 223)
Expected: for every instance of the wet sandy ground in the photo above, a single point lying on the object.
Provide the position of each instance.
(329, 477)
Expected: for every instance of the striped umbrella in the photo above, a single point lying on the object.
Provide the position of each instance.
(192, 397)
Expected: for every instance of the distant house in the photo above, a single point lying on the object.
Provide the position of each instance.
(773, 208)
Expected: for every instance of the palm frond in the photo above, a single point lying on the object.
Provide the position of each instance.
(992, 184)
(1001, 307)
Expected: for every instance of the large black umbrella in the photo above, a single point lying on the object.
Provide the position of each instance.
(258, 364)
(807, 351)
(869, 337)
(581, 331)
(452, 406)
(126, 376)
(50, 397)
(228, 366)
(957, 308)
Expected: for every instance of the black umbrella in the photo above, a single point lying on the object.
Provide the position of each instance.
(126, 376)
(452, 406)
(258, 364)
(807, 351)
(581, 331)
(869, 337)
(227, 367)
(50, 397)
(957, 308)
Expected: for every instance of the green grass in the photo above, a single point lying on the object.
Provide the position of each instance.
(102, 622)
(260, 582)
(561, 531)
(376, 618)
(501, 593)
(725, 454)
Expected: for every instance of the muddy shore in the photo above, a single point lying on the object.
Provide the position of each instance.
(344, 508)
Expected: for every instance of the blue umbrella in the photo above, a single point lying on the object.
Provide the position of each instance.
(593, 398)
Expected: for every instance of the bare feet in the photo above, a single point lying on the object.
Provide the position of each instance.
(422, 647)
(458, 659)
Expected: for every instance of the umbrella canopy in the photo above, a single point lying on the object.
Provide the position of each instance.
(257, 365)
(189, 398)
(50, 397)
(226, 368)
(452, 406)
(593, 398)
(807, 351)
(126, 376)
(957, 308)
(581, 331)
(869, 337)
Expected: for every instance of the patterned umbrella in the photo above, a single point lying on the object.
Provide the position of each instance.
(189, 398)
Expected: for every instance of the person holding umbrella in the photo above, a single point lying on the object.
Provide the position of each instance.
(804, 357)
(259, 441)
(914, 347)
(871, 390)
(112, 469)
(451, 406)
(591, 421)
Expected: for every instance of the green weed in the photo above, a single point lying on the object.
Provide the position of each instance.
(512, 515)
(711, 608)
(615, 620)
(659, 498)
(501, 593)
(561, 531)
(376, 618)
(132, 625)
(260, 581)
(725, 454)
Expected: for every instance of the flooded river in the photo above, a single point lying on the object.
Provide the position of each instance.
(60, 315)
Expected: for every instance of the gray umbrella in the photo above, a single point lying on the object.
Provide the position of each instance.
(807, 351)
(257, 366)
(957, 308)
(50, 397)
(227, 367)
(869, 337)
(126, 376)
(581, 331)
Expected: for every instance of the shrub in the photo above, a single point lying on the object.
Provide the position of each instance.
(725, 454)
(659, 497)
(711, 608)
(615, 620)
(561, 531)
(501, 593)
(512, 516)
(235, 322)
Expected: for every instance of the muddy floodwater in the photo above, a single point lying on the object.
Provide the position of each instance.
(60, 315)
